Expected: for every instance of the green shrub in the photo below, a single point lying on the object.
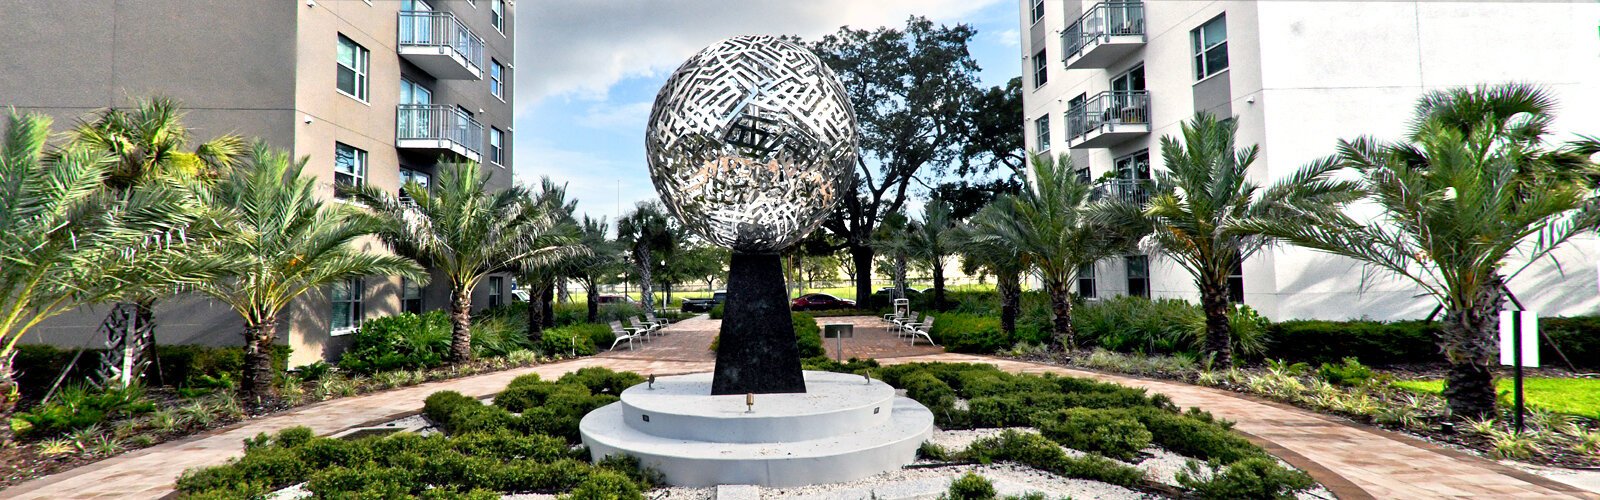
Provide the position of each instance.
(574, 339)
(37, 366)
(1575, 339)
(1035, 451)
(1249, 479)
(1163, 326)
(808, 334)
(1349, 373)
(1195, 434)
(1112, 433)
(401, 342)
(78, 407)
(969, 333)
(970, 486)
(1371, 342)
(606, 485)
(493, 337)
(716, 311)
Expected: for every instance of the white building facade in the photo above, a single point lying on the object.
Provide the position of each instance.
(1105, 81)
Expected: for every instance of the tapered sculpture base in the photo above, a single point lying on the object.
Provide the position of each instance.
(757, 352)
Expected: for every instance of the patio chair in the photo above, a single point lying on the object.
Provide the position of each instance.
(915, 330)
(622, 334)
(647, 327)
(660, 323)
(910, 318)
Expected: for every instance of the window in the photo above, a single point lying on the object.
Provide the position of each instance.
(410, 296)
(407, 176)
(1086, 281)
(1083, 174)
(497, 15)
(1134, 167)
(1210, 47)
(353, 69)
(1138, 267)
(1041, 69)
(1041, 131)
(1236, 283)
(496, 152)
(349, 167)
(346, 297)
(1038, 10)
(1077, 116)
(495, 284)
(1131, 80)
(497, 86)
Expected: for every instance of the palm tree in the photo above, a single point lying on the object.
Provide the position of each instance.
(1197, 204)
(149, 141)
(466, 232)
(892, 239)
(1471, 184)
(932, 241)
(648, 236)
(540, 275)
(601, 260)
(279, 243)
(67, 241)
(1051, 227)
(994, 255)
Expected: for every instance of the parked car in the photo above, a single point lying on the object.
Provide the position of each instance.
(610, 299)
(704, 305)
(820, 302)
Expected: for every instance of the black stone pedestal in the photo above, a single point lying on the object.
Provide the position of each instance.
(757, 351)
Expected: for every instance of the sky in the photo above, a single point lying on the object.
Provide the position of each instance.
(587, 72)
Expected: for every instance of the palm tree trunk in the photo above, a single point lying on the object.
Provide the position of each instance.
(1009, 284)
(461, 325)
(1219, 335)
(646, 295)
(1061, 304)
(548, 306)
(1468, 341)
(258, 339)
(592, 296)
(938, 285)
(9, 396)
(535, 317)
(900, 275)
(861, 259)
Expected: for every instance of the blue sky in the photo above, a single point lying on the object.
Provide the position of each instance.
(588, 70)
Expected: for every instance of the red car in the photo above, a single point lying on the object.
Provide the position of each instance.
(820, 302)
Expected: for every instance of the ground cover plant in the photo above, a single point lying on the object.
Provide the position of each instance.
(526, 442)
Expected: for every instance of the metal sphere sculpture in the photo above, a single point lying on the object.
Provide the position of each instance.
(751, 142)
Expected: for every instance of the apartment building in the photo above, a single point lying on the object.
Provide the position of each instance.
(1105, 81)
(372, 92)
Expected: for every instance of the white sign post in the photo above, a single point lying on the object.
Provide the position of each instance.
(1519, 347)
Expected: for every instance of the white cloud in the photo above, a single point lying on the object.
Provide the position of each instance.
(1009, 38)
(629, 116)
(599, 184)
(581, 48)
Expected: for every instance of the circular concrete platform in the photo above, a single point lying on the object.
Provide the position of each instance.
(842, 428)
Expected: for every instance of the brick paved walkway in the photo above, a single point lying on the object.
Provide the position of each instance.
(1353, 461)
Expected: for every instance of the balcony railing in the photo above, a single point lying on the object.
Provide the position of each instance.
(441, 44)
(1100, 26)
(1109, 117)
(1135, 191)
(438, 126)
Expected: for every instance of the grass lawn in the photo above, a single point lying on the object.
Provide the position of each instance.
(1575, 396)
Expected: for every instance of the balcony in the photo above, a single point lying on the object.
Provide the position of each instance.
(1108, 119)
(1106, 33)
(1124, 190)
(438, 127)
(440, 44)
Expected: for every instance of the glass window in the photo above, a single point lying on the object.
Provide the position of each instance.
(1131, 80)
(1236, 283)
(497, 86)
(495, 284)
(353, 60)
(497, 15)
(346, 297)
(1210, 42)
(1083, 175)
(1138, 267)
(1041, 69)
(407, 176)
(1041, 131)
(349, 166)
(496, 151)
(410, 296)
(1086, 281)
(1038, 10)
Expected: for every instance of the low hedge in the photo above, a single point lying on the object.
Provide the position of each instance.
(583, 339)
(404, 341)
(1372, 342)
(37, 366)
(969, 333)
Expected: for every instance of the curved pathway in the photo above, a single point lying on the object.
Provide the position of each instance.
(1353, 461)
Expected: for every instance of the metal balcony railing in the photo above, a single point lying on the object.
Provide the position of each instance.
(441, 30)
(1109, 108)
(1101, 22)
(1135, 191)
(438, 123)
